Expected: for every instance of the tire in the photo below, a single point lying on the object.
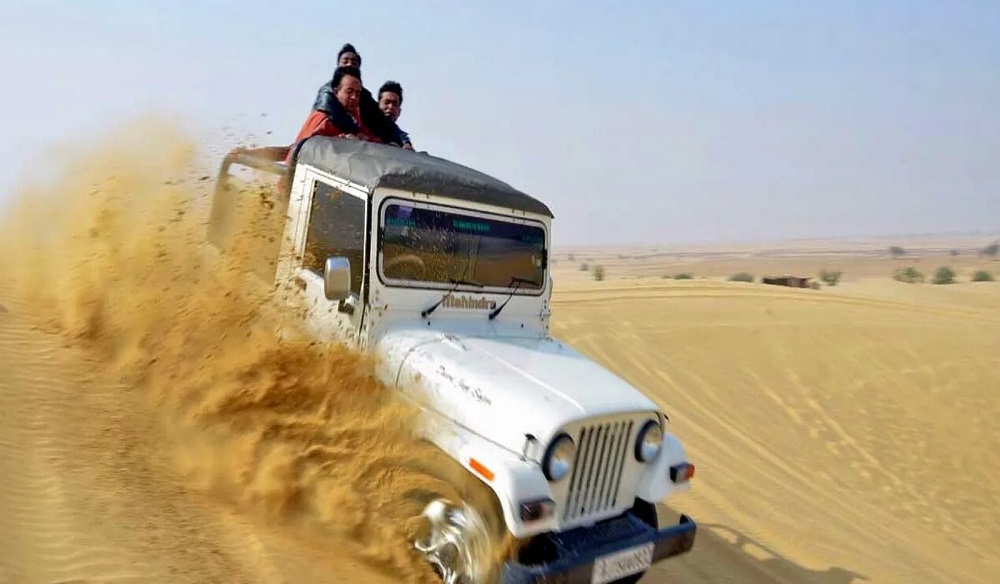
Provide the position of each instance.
(647, 512)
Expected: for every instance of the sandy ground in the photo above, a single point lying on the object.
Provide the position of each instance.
(152, 431)
(839, 436)
(85, 496)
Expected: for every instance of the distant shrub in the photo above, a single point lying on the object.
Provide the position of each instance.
(683, 276)
(982, 276)
(598, 273)
(909, 275)
(991, 250)
(829, 277)
(814, 285)
(944, 275)
(896, 251)
(571, 257)
(741, 277)
(584, 267)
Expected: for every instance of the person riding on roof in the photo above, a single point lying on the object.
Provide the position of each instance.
(379, 124)
(341, 116)
(390, 101)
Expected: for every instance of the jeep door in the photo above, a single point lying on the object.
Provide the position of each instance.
(333, 223)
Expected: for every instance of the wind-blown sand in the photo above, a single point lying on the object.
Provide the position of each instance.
(85, 496)
(150, 402)
(153, 429)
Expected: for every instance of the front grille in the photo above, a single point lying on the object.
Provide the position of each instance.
(601, 455)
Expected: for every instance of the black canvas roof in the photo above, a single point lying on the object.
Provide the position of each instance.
(380, 165)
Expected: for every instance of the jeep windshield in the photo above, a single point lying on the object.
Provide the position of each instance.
(424, 244)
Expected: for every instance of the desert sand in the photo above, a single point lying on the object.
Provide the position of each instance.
(152, 431)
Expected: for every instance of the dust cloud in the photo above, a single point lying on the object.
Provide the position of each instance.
(109, 253)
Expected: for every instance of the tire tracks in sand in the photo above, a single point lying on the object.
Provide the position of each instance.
(788, 484)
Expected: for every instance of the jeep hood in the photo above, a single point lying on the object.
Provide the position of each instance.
(506, 387)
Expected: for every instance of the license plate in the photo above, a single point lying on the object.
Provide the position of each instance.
(621, 564)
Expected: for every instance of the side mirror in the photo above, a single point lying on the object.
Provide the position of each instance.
(337, 278)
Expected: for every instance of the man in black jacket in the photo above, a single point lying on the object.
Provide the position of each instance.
(390, 101)
(371, 115)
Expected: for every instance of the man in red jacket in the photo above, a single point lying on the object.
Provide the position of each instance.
(377, 123)
(342, 116)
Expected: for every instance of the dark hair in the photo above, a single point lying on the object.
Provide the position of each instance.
(349, 48)
(342, 72)
(391, 87)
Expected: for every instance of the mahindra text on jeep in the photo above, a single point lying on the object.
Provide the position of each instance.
(443, 272)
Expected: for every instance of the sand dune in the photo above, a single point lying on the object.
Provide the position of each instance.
(152, 428)
(85, 497)
(842, 434)
(77, 501)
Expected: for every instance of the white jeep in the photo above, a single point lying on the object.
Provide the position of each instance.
(444, 273)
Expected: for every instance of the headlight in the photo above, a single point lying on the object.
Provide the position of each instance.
(558, 458)
(649, 441)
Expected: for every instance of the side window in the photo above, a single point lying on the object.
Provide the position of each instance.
(336, 228)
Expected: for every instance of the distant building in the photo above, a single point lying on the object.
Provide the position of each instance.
(790, 281)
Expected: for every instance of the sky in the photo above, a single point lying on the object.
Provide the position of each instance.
(646, 122)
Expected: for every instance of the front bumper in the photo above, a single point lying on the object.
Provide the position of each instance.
(579, 549)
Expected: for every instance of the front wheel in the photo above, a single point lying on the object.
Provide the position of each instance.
(457, 543)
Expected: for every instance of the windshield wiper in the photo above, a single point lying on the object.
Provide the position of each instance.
(517, 282)
(457, 282)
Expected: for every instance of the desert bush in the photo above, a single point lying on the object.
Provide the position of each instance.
(991, 250)
(829, 277)
(598, 273)
(896, 251)
(814, 285)
(982, 276)
(741, 277)
(584, 267)
(571, 257)
(944, 275)
(683, 276)
(909, 275)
